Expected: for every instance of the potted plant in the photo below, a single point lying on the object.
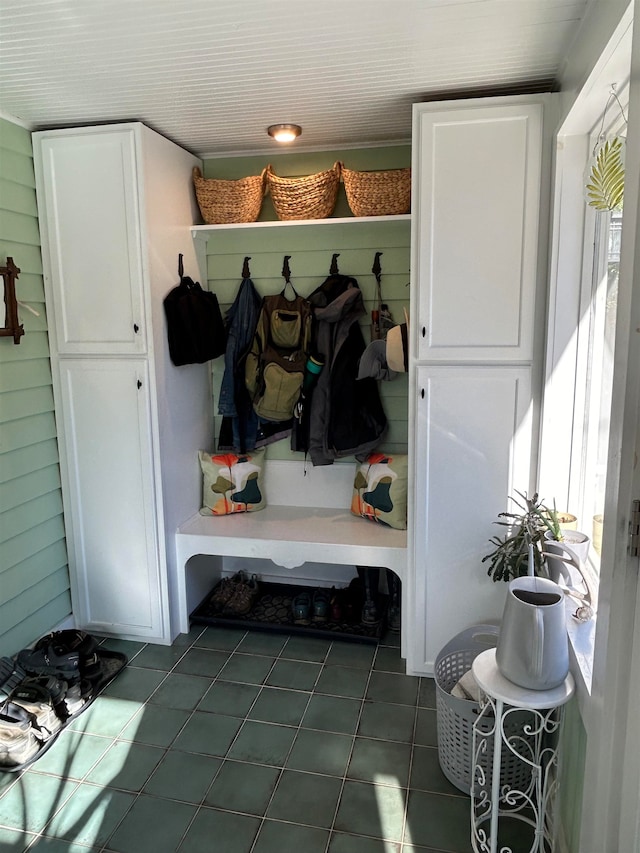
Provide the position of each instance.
(510, 557)
(561, 529)
(538, 526)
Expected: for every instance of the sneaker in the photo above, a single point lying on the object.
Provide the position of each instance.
(224, 591)
(243, 598)
(76, 698)
(320, 605)
(41, 697)
(301, 607)
(19, 737)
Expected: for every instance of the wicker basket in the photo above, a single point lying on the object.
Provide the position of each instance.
(224, 202)
(310, 197)
(385, 193)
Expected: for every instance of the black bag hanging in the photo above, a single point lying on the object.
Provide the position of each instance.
(195, 327)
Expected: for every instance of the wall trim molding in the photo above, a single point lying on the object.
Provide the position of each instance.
(268, 151)
(15, 120)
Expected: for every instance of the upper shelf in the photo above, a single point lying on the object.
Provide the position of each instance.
(201, 231)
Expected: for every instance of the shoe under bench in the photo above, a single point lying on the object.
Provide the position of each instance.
(307, 520)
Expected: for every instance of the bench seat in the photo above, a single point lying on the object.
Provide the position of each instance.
(289, 536)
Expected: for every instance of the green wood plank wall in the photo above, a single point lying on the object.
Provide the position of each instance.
(574, 746)
(34, 580)
(311, 249)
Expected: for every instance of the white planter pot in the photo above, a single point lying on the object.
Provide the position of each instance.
(574, 544)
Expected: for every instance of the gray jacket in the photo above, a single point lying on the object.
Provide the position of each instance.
(346, 417)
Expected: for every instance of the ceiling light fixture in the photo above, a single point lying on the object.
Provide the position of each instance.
(284, 132)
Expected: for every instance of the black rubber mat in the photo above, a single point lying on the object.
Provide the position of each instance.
(273, 611)
(111, 663)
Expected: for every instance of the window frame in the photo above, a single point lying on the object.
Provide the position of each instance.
(595, 268)
(570, 293)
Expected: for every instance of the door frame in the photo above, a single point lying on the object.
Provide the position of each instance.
(611, 801)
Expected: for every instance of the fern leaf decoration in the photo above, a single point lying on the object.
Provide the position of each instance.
(605, 190)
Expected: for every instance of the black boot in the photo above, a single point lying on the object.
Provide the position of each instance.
(370, 576)
(393, 614)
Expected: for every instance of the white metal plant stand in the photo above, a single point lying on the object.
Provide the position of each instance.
(534, 741)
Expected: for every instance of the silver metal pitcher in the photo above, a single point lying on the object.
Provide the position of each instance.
(533, 649)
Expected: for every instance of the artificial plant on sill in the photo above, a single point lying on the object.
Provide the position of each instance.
(524, 538)
(510, 558)
(604, 185)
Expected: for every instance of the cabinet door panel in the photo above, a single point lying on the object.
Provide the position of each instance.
(477, 185)
(474, 428)
(89, 188)
(111, 524)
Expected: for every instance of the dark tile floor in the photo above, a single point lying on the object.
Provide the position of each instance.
(239, 742)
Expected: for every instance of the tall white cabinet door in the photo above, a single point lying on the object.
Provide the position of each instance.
(88, 184)
(474, 425)
(111, 521)
(476, 173)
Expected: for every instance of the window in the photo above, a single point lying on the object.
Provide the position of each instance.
(594, 376)
(594, 367)
(576, 426)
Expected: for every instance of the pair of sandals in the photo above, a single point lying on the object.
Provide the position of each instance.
(308, 608)
(70, 655)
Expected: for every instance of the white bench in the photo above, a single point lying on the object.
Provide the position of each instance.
(319, 528)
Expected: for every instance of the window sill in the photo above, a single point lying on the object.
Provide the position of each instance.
(581, 647)
(582, 634)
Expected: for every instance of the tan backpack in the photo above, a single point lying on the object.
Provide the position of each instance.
(274, 369)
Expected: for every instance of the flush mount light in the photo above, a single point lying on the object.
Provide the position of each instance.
(284, 132)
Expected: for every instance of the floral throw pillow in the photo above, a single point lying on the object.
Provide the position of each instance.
(380, 489)
(231, 482)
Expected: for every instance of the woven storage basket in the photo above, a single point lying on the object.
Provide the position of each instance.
(223, 202)
(310, 197)
(455, 717)
(385, 193)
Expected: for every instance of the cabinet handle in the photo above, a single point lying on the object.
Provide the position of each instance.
(422, 393)
(139, 384)
(424, 331)
(136, 328)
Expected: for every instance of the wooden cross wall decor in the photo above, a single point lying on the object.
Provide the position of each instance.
(12, 327)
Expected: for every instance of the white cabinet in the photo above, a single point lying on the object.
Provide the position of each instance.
(89, 188)
(473, 447)
(475, 350)
(110, 509)
(116, 204)
(477, 177)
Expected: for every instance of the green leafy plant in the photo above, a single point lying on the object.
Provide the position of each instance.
(605, 187)
(551, 519)
(510, 557)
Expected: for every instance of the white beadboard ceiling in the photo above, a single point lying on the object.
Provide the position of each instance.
(213, 74)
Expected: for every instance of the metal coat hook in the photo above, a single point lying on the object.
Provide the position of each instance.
(246, 272)
(376, 269)
(333, 269)
(13, 327)
(286, 272)
(180, 266)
